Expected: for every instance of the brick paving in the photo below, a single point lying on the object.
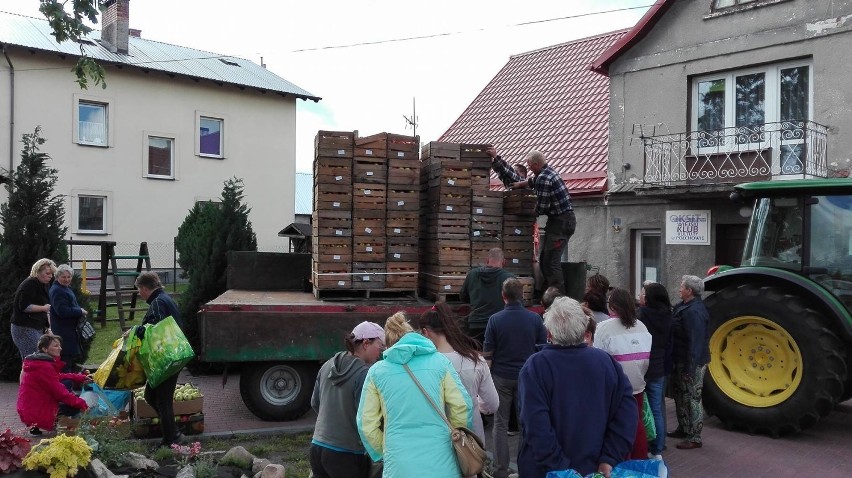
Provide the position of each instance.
(819, 451)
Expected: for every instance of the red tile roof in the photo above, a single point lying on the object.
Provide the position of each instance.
(548, 100)
(638, 32)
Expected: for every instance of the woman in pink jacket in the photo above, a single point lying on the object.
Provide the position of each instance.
(40, 390)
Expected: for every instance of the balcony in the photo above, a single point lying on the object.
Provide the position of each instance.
(781, 150)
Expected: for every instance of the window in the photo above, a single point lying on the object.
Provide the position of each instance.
(648, 257)
(748, 99)
(730, 3)
(210, 139)
(91, 214)
(159, 156)
(92, 121)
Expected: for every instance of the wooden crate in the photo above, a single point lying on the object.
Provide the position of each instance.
(319, 230)
(368, 249)
(340, 144)
(331, 218)
(373, 146)
(482, 227)
(401, 199)
(518, 226)
(447, 226)
(403, 172)
(321, 265)
(446, 252)
(370, 171)
(402, 249)
(486, 203)
(528, 284)
(519, 202)
(476, 154)
(333, 197)
(331, 280)
(451, 172)
(434, 286)
(369, 196)
(403, 147)
(435, 150)
(369, 226)
(402, 275)
(447, 199)
(402, 223)
(368, 275)
(333, 170)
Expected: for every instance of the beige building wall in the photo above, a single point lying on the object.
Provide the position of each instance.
(259, 147)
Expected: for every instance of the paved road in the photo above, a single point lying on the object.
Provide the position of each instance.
(821, 451)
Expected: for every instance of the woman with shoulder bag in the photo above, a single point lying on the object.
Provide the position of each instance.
(65, 315)
(30, 308)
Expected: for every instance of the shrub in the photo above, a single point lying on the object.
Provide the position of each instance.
(13, 449)
(62, 456)
(108, 440)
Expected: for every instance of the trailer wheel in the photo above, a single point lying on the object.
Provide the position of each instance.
(775, 366)
(277, 391)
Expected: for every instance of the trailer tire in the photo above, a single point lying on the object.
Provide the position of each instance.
(277, 391)
(776, 367)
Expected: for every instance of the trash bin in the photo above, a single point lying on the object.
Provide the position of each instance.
(575, 279)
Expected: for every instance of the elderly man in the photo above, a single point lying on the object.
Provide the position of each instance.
(577, 406)
(553, 201)
(690, 320)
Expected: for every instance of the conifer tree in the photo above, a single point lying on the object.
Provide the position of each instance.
(32, 223)
(209, 231)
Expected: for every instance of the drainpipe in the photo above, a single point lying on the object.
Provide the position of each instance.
(11, 111)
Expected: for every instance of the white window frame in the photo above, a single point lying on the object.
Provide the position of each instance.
(772, 99)
(222, 135)
(146, 138)
(107, 213)
(638, 265)
(109, 106)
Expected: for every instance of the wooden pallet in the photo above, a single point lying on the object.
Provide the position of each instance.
(387, 293)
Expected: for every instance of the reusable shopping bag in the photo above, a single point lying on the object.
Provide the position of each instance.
(165, 350)
(122, 368)
(648, 419)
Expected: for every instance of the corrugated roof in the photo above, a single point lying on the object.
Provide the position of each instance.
(547, 100)
(304, 193)
(35, 33)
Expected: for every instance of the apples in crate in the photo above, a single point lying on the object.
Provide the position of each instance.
(188, 400)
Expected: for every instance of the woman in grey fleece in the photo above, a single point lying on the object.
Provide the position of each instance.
(336, 449)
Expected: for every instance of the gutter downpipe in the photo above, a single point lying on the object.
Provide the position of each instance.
(11, 111)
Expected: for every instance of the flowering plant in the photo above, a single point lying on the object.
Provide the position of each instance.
(186, 453)
(61, 456)
(13, 449)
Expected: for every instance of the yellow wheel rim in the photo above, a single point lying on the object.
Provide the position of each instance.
(754, 361)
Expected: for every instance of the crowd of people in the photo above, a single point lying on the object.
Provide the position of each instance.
(45, 328)
(580, 382)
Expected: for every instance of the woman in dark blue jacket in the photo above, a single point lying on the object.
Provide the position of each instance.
(65, 314)
(655, 311)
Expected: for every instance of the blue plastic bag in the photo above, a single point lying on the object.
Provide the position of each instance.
(640, 469)
(104, 403)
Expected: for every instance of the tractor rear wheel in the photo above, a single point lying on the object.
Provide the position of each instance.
(776, 367)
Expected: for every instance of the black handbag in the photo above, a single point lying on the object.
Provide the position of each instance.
(85, 330)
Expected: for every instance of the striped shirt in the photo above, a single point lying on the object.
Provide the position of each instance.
(630, 347)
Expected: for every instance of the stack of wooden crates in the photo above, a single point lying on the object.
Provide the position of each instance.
(366, 200)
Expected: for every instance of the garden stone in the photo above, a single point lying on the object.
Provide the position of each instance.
(99, 470)
(140, 462)
(259, 464)
(274, 471)
(238, 454)
(186, 472)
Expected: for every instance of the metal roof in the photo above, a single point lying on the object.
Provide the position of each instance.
(35, 33)
(304, 193)
(638, 32)
(548, 100)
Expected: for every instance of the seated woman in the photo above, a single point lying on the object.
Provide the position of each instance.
(40, 390)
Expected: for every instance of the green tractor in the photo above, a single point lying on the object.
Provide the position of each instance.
(781, 323)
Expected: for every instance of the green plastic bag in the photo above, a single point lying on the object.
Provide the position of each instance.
(648, 419)
(165, 350)
(122, 369)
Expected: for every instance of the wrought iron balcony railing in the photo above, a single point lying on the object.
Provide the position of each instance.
(784, 149)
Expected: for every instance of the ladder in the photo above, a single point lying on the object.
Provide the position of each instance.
(142, 259)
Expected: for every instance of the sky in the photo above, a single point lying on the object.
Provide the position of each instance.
(374, 61)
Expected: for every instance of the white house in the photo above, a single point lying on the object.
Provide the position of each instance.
(172, 125)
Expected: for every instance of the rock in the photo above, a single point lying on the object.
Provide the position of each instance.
(99, 470)
(186, 472)
(238, 456)
(140, 462)
(273, 471)
(259, 464)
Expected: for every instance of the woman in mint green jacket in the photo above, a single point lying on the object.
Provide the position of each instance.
(395, 420)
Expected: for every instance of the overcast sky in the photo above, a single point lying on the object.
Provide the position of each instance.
(370, 87)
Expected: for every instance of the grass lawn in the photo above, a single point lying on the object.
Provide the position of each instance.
(102, 345)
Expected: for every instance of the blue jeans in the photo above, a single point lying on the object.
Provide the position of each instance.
(655, 390)
(507, 391)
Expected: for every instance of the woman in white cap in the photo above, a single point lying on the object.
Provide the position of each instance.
(336, 449)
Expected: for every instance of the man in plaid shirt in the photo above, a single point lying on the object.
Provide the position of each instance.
(553, 201)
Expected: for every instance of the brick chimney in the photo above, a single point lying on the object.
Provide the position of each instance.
(115, 30)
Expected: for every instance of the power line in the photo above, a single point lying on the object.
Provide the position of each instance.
(445, 34)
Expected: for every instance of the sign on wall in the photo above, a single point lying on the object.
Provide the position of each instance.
(688, 227)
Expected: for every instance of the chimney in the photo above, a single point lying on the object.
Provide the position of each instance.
(135, 33)
(116, 25)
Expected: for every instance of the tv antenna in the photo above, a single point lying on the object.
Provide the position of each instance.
(412, 120)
